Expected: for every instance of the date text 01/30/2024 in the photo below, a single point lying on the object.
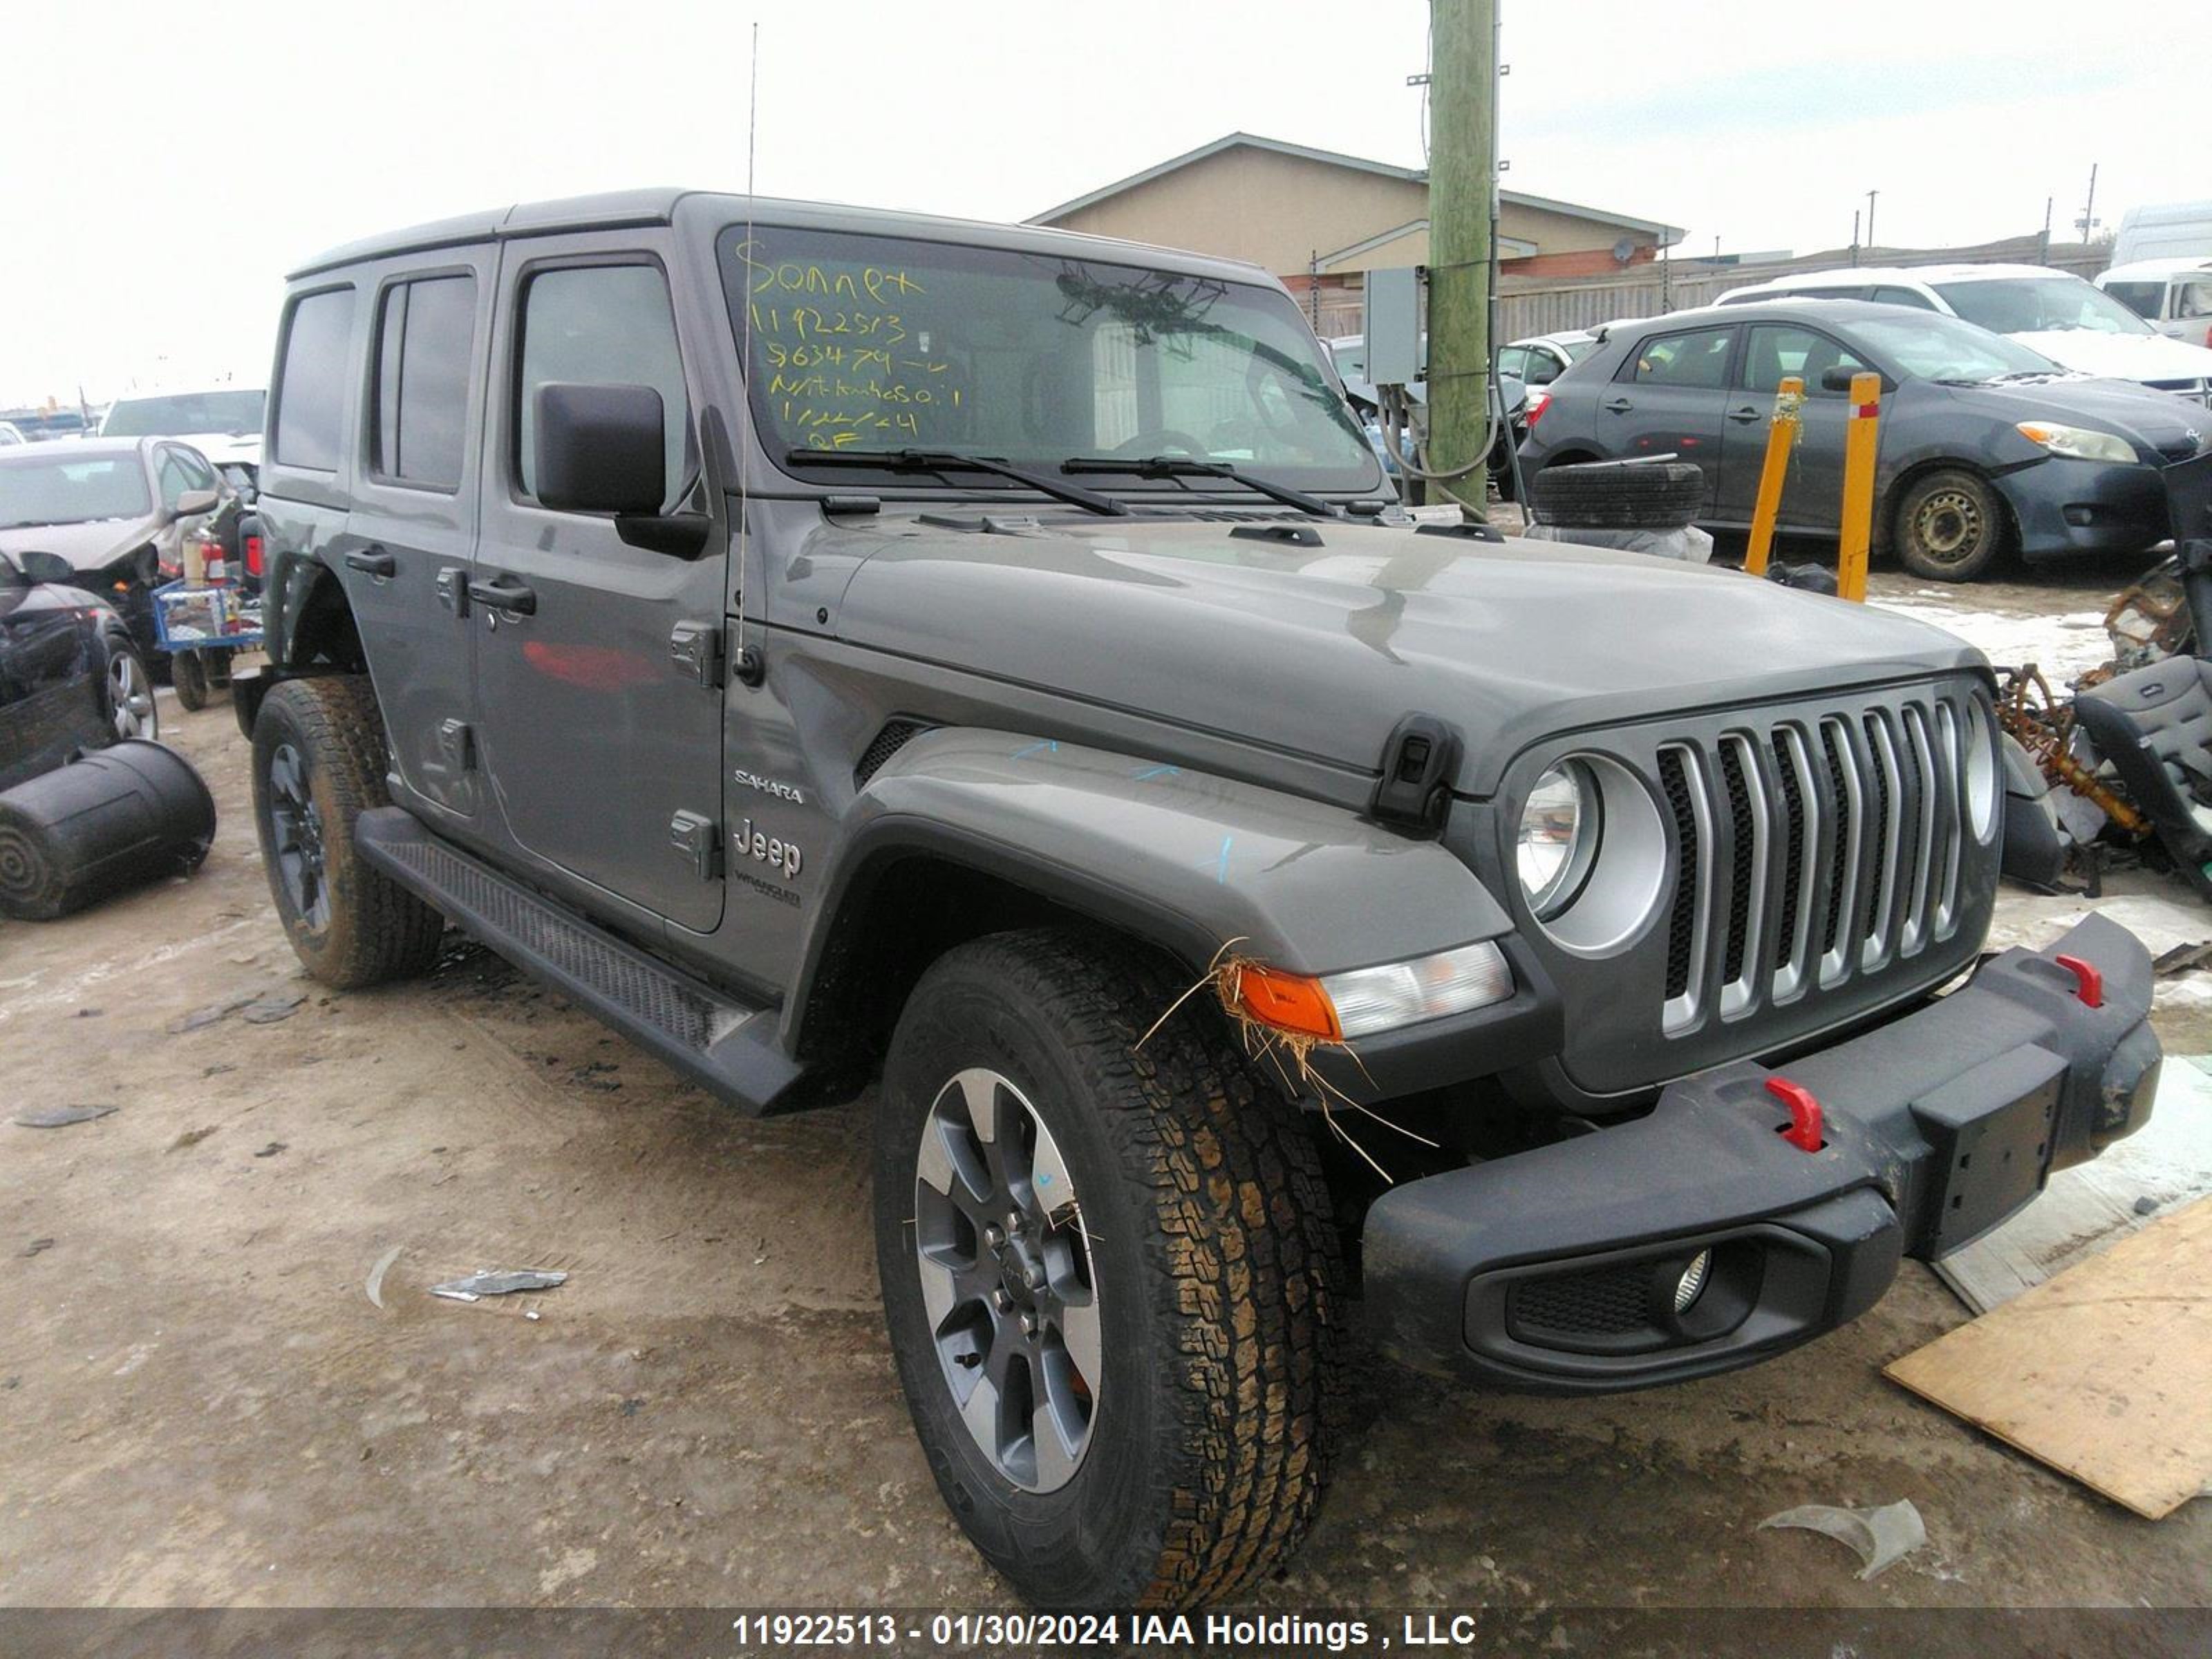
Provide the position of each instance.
(958, 1632)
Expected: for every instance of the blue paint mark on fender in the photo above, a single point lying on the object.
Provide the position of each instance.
(1048, 745)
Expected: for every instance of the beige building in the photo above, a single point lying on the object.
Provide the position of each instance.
(1317, 219)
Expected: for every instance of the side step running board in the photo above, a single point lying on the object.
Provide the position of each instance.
(726, 1046)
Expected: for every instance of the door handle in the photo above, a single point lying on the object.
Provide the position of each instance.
(1616, 406)
(372, 559)
(505, 594)
(1743, 417)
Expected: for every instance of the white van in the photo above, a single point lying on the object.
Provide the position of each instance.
(2174, 230)
(2174, 296)
(2053, 312)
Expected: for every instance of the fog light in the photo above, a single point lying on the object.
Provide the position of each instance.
(1693, 1281)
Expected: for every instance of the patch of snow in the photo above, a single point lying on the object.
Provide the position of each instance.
(2063, 647)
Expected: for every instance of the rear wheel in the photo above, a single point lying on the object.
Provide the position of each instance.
(1950, 526)
(1110, 1272)
(318, 763)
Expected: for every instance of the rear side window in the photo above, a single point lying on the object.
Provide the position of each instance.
(1696, 361)
(1903, 296)
(311, 382)
(601, 325)
(425, 338)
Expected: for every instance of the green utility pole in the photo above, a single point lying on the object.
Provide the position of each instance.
(1462, 170)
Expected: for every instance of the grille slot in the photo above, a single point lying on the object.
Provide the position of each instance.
(1811, 851)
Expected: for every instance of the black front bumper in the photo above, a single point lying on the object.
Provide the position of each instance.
(1558, 1269)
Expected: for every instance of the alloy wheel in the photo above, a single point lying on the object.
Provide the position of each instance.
(297, 824)
(129, 697)
(1004, 1262)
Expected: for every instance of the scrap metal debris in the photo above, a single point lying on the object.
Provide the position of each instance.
(60, 1117)
(270, 1149)
(192, 1138)
(375, 1286)
(1881, 1537)
(270, 1009)
(487, 1281)
(35, 1246)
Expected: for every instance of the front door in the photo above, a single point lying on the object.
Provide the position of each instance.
(1666, 400)
(602, 753)
(1813, 488)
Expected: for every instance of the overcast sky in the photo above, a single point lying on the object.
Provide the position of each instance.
(163, 166)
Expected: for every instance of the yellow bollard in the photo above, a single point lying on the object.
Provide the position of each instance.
(1859, 439)
(1781, 439)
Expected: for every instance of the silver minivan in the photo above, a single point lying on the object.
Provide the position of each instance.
(2174, 296)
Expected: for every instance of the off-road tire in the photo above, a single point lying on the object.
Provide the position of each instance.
(376, 930)
(188, 678)
(1617, 495)
(1949, 526)
(1216, 1261)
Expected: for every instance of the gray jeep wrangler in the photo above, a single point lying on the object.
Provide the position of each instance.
(838, 648)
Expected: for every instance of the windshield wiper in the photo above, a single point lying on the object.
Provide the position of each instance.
(1183, 467)
(946, 461)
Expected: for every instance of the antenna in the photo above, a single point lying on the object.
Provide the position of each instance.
(749, 667)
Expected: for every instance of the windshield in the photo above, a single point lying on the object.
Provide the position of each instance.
(235, 414)
(2024, 305)
(41, 489)
(873, 342)
(1927, 346)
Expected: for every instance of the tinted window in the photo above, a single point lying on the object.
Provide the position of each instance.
(1904, 296)
(601, 325)
(1780, 348)
(425, 338)
(1934, 347)
(1697, 361)
(234, 414)
(2142, 298)
(311, 384)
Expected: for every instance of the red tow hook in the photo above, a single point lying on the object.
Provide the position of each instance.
(1805, 1119)
(2088, 982)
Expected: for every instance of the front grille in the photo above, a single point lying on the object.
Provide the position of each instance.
(1811, 849)
(1607, 1302)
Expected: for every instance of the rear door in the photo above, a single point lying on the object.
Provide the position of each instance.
(404, 553)
(1812, 490)
(603, 752)
(1667, 399)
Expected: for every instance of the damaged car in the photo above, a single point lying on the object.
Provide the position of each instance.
(117, 510)
(71, 678)
(841, 648)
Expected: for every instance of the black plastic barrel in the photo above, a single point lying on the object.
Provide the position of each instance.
(111, 819)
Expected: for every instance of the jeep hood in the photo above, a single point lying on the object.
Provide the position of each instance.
(1319, 651)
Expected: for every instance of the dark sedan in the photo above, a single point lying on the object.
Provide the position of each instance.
(71, 677)
(1986, 446)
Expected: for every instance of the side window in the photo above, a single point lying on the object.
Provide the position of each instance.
(605, 326)
(1904, 296)
(1543, 367)
(310, 388)
(425, 336)
(1694, 362)
(2193, 299)
(1514, 361)
(198, 475)
(1780, 348)
(170, 472)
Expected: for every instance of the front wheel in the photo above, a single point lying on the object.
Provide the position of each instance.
(318, 763)
(188, 678)
(1950, 526)
(1110, 1274)
(130, 710)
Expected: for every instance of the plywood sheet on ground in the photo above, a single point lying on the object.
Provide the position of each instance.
(2162, 1167)
(2103, 1372)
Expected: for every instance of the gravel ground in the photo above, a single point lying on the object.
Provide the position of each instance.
(202, 1404)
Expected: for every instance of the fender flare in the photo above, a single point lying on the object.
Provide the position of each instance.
(1186, 861)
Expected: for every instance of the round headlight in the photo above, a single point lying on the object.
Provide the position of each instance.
(1557, 838)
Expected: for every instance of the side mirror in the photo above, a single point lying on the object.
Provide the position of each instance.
(194, 502)
(1839, 379)
(43, 567)
(599, 448)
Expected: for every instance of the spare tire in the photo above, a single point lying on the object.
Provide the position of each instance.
(1618, 495)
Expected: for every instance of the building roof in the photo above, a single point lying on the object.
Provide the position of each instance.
(1359, 255)
(1668, 236)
